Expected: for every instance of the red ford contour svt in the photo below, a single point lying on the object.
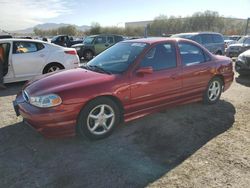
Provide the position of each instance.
(131, 79)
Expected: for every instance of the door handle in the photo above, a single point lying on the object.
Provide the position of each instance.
(41, 55)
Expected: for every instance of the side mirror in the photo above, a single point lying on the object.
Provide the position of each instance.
(144, 70)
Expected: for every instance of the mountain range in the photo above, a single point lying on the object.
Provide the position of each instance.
(48, 26)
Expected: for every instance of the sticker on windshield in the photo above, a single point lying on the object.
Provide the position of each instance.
(139, 44)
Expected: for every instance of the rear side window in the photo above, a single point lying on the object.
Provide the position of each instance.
(160, 57)
(118, 38)
(110, 39)
(218, 39)
(26, 47)
(191, 54)
(100, 40)
(207, 39)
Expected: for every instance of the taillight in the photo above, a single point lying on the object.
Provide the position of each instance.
(71, 52)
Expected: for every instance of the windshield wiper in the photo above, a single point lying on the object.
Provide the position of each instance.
(98, 69)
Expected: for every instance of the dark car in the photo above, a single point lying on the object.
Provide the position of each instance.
(65, 40)
(95, 44)
(214, 42)
(240, 46)
(242, 65)
(131, 79)
(5, 36)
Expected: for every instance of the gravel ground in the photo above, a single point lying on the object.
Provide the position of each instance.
(188, 146)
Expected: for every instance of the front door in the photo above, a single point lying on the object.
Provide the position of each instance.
(160, 87)
(27, 58)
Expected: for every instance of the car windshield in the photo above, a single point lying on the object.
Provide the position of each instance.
(117, 58)
(88, 40)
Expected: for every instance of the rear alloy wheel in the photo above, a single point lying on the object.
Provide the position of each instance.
(98, 119)
(88, 55)
(52, 68)
(213, 91)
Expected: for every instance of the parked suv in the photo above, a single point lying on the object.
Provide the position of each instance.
(95, 44)
(214, 42)
(242, 45)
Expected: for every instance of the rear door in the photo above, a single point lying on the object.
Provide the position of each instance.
(160, 87)
(196, 69)
(208, 42)
(27, 58)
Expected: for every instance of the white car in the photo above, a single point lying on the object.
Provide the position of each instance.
(25, 58)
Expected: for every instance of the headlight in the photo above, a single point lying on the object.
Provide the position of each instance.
(46, 101)
(242, 58)
(78, 48)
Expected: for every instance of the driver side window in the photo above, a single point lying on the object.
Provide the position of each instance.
(160, 57)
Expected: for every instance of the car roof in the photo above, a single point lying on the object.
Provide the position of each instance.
(152, 40)
(16, 39)
(196, 33)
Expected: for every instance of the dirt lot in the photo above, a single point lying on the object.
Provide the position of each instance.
(188, 146)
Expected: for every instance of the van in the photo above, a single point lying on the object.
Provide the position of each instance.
(214, 42)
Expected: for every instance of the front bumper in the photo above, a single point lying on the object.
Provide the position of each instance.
(53, 122)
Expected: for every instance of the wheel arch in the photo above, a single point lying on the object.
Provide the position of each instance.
(113, 98)
(50, 64)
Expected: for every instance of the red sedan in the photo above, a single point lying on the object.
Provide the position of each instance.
(132, 79)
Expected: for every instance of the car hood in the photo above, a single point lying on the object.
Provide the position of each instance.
(65, 80)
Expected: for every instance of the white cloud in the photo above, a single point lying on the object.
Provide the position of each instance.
(15, 15)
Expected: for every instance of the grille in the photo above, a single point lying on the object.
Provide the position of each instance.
(25, 96)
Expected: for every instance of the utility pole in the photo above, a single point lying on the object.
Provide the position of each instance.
(246, 31)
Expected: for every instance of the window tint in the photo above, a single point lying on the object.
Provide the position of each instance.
(247, 41)
(100, 40)
(162, 56)
(217, 39)
(197, 38)
(206, 39)
(191, 54)
(24, 47)
(110, 40)
(40, 46)
(118, 38)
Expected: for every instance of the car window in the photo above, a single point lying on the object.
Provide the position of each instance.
(40, 46)
(191, 54)
(26, 47)
(162, 56)
(206, 39)
(217, 39)
(110, 39)
(247, 41)
(100, 40)
(197, 38)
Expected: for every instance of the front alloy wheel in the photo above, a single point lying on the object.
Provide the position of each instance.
(98, 118)
(101, 119)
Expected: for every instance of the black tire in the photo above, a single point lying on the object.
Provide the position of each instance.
(52, 66)
(209, 97)
(88, 55)
(85, 122)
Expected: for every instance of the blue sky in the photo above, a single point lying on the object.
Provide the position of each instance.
(21, 14)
